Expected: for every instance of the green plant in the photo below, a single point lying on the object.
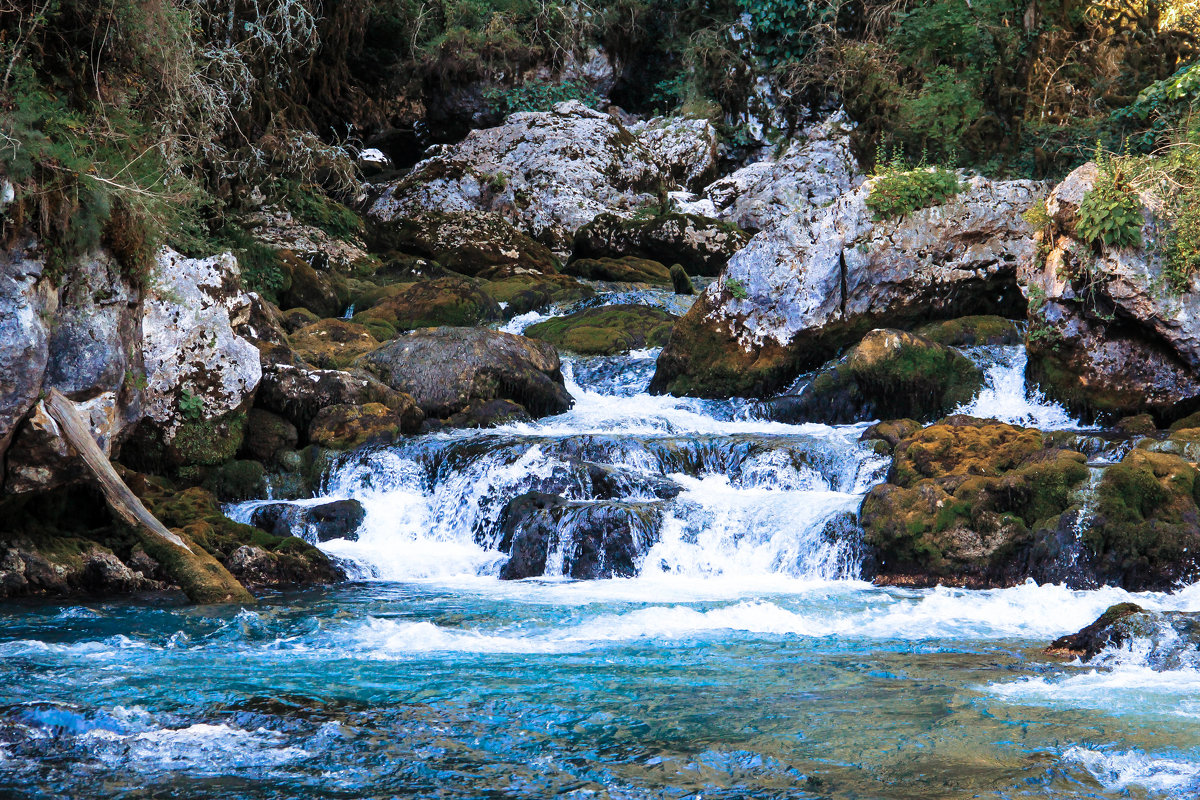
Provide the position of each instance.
(539, 95)
(1110, 214)
(1036, 216)
(898, 190)
(192, 406)
(736, 288)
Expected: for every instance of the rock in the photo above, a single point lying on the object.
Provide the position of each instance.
(1145, 534)
(447, 368)
(702, 245)
(237, 480)
(486, 414)
(629, 269)
(105, 574)
(338, 519)
(889, 374)
(680, 281)
(444, 301)
(342, 251)
(684, 149)
(298, 393)
(1105, 338)
(200, 374)
(371, 162)
(1140, 425)
(891, 431)
(550, 172)
(807, 286)
(296, 318)
(1098, 370)
(972, 331)
(606, 330)
(811, 173)
(1106, 631)
(332, 343)
(519, 291)
(267, 435)
(308, 288)
(255, 557)
(467, 242)
(25, 302)
(342, 427)
(594, 540)
(973, 502)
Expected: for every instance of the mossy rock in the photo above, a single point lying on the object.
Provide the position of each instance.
(207, 442)
(240, 479)
(342, 427)
(1190, 421)
(521, 291)
(890, 374)
(964, 502)
(309, 288)
(702, 245)
(1145, 534)
(296, 318)
(467, 242)
(680, 281)
(1141, 425)
(333, 343)
(1100, 634)
(267, 435)
(430, 304)
(196, 514)
(891, 432)
(606, 330)
(626, 269)
(972, 331)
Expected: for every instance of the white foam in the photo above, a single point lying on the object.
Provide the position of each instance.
(204, 748)
(1118, 770)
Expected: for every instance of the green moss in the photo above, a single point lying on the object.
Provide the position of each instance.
(444, 301)
(972, 331)
(606, 330)
(208, 442)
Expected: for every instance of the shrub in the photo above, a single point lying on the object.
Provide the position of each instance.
(537, 95)
(1110, 214)
(736, 289)
(897, 191)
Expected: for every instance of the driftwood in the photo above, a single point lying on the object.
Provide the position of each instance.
(201, 576)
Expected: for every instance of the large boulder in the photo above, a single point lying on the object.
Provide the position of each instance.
(518, 290)
(551, 172)
(974, 502)
(815, 282)
(446, 369)
(336, 519)
(1106, 337)
(702, 245)
(628, 269)
(888, 375)
(606, 330)
(299, 393)
(811, 172)
(467, 242)
(545, 534)
(428, 304)
(685, 149)
(332, 343)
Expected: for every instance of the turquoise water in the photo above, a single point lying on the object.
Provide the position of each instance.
(745, 661)
(635, 689)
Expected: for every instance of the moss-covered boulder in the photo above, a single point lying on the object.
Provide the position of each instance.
(889, 374)
(196, 514)
(1145, 534)
(342, 427)
(702, 245)
(1105, 631)
(891, 432)
(627, 269)
(681, 282)
(332, 343)
(971, 502)
(973, 331)
(308, 287)
(467, 242)
(429, 304)
(296, 318)
(606, 330)
(268, 435)
(519, 291)
(207, 442)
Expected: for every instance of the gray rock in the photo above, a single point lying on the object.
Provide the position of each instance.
(446, 369)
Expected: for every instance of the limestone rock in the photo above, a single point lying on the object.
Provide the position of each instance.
(467, 242)
(811, 284)
(703, 246)
(446, 369)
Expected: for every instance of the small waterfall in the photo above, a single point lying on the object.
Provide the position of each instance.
(1006, 397)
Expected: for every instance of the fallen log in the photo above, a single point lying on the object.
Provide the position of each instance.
(202, 578)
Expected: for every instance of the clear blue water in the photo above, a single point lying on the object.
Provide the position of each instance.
(746, 661)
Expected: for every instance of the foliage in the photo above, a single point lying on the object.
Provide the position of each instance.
(898, 190)
(1110, 214)
(736, 289)
(192, 406)
(538, 95)
(1036, 216)
(1163, 106)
